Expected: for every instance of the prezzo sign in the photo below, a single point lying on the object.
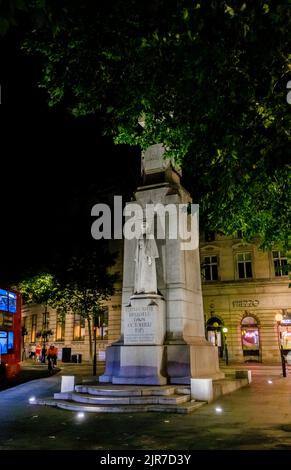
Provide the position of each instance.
(245, 303)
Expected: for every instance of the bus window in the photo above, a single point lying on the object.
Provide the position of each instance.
(8, 301)
(3, 300)
(10, 333)
(12, 302)
(10, 341)
(3, 342)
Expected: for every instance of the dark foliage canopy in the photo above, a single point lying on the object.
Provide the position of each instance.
(208, 78)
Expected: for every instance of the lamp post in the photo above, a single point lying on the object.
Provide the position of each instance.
(278, 318)
(96, 324)
(24, 333)
(225, 330)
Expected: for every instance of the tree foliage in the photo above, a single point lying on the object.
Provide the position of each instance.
(85, 284)
(42, 289)
(209, 79)
(78, 285)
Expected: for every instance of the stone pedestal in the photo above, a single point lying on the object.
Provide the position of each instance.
(139, 359)
(145, 320)
(198, 359)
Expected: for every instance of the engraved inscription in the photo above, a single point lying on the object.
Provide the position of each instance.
(139, 326)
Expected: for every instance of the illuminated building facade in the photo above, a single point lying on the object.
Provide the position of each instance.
(246, 292)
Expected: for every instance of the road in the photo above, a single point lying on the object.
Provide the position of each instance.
(255, 417)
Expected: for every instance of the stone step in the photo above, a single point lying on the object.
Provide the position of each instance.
(183, 390)
(132, 400)
(125, 391)
(159, 408)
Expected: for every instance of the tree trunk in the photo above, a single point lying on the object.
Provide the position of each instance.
(90, 338)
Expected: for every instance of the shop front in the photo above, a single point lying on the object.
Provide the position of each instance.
(250, 338)
(284, 332)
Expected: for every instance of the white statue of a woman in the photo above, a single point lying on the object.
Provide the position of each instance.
(145, 280)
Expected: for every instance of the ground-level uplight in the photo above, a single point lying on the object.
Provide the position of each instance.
(80, 415)
(31, 400)
(218, 409)
(270, 381)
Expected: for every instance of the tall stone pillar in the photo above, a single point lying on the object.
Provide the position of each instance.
(163, 336)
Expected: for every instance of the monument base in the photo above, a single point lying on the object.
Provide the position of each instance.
(139, 359)
(158, 365)
(134, 365)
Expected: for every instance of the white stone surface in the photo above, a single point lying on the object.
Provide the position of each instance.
(152, 159)
(150, 327)
(68, 383)
(202, 389)
(141, 365)
(204, 359)
(178, 271)
(145, 262)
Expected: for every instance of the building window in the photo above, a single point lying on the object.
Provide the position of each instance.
(24, 323)
(244, 265)
(60, 329)
(209, 236)
(79, 328)
(33, 328)
(210, 268)
(6, 342)
(45, 320)
(280, 263)
(102, 324)
(24, 327)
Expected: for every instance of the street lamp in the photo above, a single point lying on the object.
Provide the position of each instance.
(278, 318)
(98, 322)
(225, 330)
(96, 325)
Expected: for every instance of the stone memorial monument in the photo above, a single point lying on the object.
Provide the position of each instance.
(162, 321)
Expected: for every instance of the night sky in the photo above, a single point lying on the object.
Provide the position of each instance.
(54, 167)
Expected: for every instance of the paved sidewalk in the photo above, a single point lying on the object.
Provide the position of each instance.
(31, 370)
(255, 417)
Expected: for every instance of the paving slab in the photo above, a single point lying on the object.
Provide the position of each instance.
(257, 417)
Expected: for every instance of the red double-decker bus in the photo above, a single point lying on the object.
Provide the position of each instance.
(10, 334)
